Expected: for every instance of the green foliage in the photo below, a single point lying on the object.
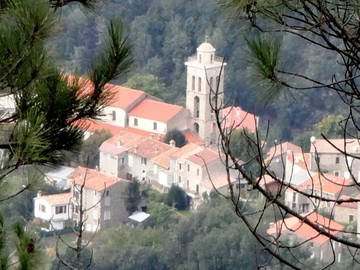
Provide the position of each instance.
(148, 83)
(28, 254)
(161, 215)
(133, 196)
(243, 145)
(265, 56)
(210, 238)
(156, 196)
(177, 136)
(71, 261)
(330, 126)
(177, 198)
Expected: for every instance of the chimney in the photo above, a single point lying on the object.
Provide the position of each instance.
(172, 143)
(39, 193)
(118, 144)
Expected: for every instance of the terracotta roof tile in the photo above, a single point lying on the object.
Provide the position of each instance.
(149, 148)
(206, 156)
(94, 179)
(279, 149)
(155, 110)
(186, 150)
(238, 119)
(323, 146)
(163, 159)
(57, 199)
(93, 125)
(303, 230)
(120, 97)
(192, 138)
(325, 183)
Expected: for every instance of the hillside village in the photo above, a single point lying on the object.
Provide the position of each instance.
(138, 123)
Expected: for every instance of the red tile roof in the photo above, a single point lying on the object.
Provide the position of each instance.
(305, 231)
(326, 183)
(163, 159)
(239, 119)
(206, 156)
(155, 110)
(120, 97)
(94, 179)
(57, 199)
(279, 149)
(149, 148)
(323, 146)
(186, 150)
(93, 125)
(120, 143)
(192, 138)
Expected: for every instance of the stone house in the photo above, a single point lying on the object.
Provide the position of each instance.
(345, 213)
(294, 230)
(330, 157)
(104, 198)
(325, 186)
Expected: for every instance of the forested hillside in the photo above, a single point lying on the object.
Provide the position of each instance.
(165, 32)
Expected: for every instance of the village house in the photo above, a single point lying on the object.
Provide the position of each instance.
(158, 117)
(324, 186)
(328, 156)
(294, 230)
(345, 213)
(103, 197)
(53, 209)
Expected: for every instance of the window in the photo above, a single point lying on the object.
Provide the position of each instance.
(294, 196)
(154, 126)
(337, 160)
(180, 166)
(197, 172)
(336, 173)
(217, 81)
(113, 115)
(179, 179)
(196, 106)
(187, 184)
(351, 218)
(122, 161)
(107, 193)
(188, 168)
(211, 82)
(135, 122)
(199, 84)
(197, 188)
(211, 59)
(60, 209)
(143, 161)
(42, 208)
(193, 83)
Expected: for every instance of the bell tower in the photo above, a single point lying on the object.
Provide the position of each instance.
(205, 72)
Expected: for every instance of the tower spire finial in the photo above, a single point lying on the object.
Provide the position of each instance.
(206, 38)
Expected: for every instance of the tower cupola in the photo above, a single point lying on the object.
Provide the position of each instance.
(206, 53)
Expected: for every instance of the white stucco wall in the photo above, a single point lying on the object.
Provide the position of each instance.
(120, 116)
(148, 125)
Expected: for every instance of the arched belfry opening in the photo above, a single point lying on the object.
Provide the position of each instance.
(204, 74)
(196, 106)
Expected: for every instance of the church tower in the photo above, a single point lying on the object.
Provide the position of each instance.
(205, 71)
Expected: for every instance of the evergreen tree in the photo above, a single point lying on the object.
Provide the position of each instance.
(47, 104)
